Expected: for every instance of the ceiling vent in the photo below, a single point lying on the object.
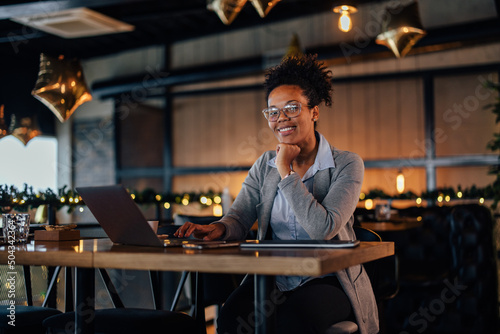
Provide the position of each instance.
(74, 23)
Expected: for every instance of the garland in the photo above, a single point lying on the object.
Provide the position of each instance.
(12, 198)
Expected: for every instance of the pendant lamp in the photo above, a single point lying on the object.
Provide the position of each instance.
(294, 49)
(227, 10)
(24, 128)
(401, 29)
(263, 7)
(61, 85)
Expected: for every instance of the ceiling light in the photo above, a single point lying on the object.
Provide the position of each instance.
(401, 29)
(345, 11)
(74, 23)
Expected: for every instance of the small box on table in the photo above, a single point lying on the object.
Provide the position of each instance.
(57, 235)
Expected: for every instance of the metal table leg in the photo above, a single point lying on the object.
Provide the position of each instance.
(85, 301)
(199, 303)
(265, 308)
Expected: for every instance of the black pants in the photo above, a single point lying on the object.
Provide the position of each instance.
(311, 308)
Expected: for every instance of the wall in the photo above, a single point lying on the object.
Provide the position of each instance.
(380, 120)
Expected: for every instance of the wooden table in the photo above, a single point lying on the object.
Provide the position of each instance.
(102, 253)
(400, 224)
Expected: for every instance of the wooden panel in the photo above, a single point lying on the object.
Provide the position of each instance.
(220, 130)
(463, 126)
(206, 182)
(377, 120)
(142, 127)
(463, 176)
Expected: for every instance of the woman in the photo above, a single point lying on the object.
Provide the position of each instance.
(305, 189)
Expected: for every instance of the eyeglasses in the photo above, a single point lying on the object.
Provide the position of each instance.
(291, 110)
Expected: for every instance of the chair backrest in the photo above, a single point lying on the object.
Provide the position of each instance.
(383, 273)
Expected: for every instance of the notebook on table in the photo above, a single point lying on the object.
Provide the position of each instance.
(123, 221)
(300, 244)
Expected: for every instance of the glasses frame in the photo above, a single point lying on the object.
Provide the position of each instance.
(282, 110)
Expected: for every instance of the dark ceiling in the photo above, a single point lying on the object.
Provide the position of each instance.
(160, 22)
(156, 22)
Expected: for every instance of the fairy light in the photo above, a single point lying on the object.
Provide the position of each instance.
(217, 199)
(158, 198)
(369, 204)
(166, 205)
(217, 210)
(418, 201)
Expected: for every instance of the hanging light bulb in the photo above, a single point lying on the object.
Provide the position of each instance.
(345, 11)
(400, 182)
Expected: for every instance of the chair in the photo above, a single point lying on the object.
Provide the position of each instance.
(28, 318)
(383, 274)
(448, 266)
(124, 320)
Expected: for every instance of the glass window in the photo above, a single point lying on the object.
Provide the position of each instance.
(34, 164)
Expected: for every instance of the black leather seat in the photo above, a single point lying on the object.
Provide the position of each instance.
(448, 274)
(126, 321)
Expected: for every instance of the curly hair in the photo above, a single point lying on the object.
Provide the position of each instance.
(306, 72)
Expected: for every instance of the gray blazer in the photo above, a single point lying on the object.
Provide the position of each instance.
(325, 214)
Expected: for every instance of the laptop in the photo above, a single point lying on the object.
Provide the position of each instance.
(334, 243)
(123, 221)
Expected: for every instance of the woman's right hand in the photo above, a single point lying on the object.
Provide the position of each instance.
(205, 232)
(285, 154)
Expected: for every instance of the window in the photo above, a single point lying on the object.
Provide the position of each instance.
(34, 164)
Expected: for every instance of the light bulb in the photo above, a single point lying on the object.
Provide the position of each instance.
(345, 11)
(400, 182)
(345, 23)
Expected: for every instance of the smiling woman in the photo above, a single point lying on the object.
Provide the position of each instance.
(33, 164)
